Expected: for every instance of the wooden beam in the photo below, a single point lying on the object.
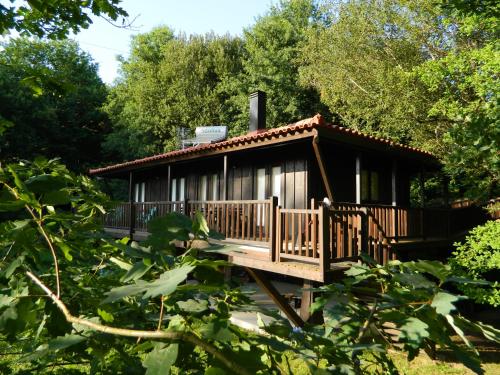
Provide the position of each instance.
(358, 179)
(225, 187)
(394, 193)
(278, 299)
(322, 167)
(131, 203)
(169, 183)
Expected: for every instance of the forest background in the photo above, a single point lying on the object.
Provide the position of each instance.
(419, 72)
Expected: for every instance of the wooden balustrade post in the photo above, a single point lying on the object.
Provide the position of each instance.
(273, 201)
(324, 240)
(131, 214)
(185, 208)
(364, 230)
(396, 223)
(131, 220)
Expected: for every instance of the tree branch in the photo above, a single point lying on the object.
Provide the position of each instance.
(44, 234)
(165, 335)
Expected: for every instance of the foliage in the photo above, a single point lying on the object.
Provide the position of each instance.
(467, 85)
(271, 64)
(51, 91)
(69, 294)
(168, 83)
(478, 257)
(420, 72)
(55, 18)
(361, 60)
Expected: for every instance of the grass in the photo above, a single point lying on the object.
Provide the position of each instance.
(445, 363)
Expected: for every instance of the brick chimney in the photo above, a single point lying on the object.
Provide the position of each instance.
(257, 112)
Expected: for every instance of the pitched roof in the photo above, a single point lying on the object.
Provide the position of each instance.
(300, 127)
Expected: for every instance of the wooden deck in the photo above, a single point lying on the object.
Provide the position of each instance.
(308, 243)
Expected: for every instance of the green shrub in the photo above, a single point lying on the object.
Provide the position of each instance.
(479, 258)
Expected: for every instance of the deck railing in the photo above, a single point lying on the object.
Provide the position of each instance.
(239, 220)
(318, 235)
(402, 222)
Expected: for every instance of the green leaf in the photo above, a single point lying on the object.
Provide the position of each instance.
(65, 341)
(66, 250)
(413, 332)
(215, 371)
(444, 302)
(413, 280)
(217, 331)
(434, 268)
(160, 360)
(168, 282)
(125, 291)
(356, 270)
(193, 306)
(11, 206)
(121, 263)
(136, 272)
(45, 183)
(200, 226)
(106, 316)
(13, 266)
(57, 197)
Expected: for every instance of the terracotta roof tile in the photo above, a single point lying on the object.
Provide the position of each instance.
(298, 127)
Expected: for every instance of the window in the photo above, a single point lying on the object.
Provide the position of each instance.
(173, 190)
(182, 189)
(215, 187)
(276, 183)
(202, 192)
(370, 186)
(261, 183)
(139, 192)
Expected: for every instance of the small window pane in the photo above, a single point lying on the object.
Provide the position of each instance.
(215, 188)
(276, 183)
(173, 193)
(261, 183)
(182, 189)
(203, 188)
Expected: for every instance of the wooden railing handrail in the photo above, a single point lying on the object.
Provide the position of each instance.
(256, 201)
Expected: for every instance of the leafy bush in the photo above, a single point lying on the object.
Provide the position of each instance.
(74, 299)
(479, 258)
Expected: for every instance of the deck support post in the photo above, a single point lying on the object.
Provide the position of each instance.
(185, 208)
(322, 167)
(225, 187)
(421, 180)
(131, 213)
(272, 228)
(364, 231)
(394, 194)
(169, 184)
(306, 302)
(278, 299)
(324, 240)
(358, 179)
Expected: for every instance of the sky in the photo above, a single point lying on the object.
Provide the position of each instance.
(105, 42)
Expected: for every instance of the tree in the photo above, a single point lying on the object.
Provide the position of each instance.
(478, 257)
(466, 85)
(270, 63)
(55, 18)
(168, 83)
(51, 91)
(362, 61)
(419, 72)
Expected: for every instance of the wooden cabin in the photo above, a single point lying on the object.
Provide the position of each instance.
(301, 200)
